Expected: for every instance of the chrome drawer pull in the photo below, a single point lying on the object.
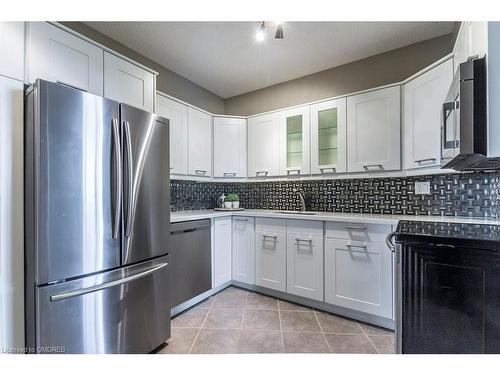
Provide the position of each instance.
(200, 171)
(236, 219)
(379, 166)
(293, 171)
(261, 173)
(299, 240)
(428, 159)
(355, 227)
(230, 174)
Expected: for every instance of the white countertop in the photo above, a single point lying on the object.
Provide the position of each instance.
(179, 216)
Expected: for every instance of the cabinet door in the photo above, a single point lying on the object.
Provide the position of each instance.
(58, 56)
(374, 131)
(128, 83)
(243, 249)
(295, 134)
(11, 213)
(423, 98)
(358, 276)
(230, 147)
(328, 137)
(305, 259)
(12, 47)
(471, 41)
(177, 114)
(270, 254)
(199, 143)
(264, 146)
(222, 250)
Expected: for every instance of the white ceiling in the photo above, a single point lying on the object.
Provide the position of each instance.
(225, 58)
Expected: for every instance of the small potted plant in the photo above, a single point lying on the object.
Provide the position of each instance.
(233, 199)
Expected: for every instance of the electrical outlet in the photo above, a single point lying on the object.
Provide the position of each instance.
(422, 187)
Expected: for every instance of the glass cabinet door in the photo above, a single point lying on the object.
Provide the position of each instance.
(328, 123)
(296, 141)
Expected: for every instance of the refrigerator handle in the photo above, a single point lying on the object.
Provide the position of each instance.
(130, 178)
(95, 288)
(118, 177)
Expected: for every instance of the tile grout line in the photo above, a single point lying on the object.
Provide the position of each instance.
(281, 325)
(241, 324)
(201, 326)
(368, 338)
(322, 331)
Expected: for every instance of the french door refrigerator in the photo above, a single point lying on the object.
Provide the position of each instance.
(97, 217)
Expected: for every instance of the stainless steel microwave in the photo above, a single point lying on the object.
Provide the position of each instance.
(464, 119)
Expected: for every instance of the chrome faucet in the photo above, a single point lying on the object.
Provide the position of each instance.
(302, 200)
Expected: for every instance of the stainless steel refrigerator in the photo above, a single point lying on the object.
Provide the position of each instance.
(97, 217)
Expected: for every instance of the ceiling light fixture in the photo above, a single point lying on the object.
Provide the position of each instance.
(261, 33)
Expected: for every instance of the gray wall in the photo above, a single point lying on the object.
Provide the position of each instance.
(388, 67)
(167, 81)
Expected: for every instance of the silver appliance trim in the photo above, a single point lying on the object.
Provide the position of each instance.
(82, 291)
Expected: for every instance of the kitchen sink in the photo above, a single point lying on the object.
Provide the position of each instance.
(295, 212)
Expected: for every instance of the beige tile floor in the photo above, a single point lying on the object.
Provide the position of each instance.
(239, 321)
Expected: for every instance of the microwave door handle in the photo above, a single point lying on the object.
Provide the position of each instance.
(447, 108)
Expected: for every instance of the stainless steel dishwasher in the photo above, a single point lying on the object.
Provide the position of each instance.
(191, 271)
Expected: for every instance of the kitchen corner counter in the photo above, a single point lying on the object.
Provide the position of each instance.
(179, 216)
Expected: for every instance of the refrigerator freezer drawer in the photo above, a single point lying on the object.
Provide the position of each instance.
(121, 311)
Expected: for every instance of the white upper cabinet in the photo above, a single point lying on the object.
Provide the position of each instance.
(264, 145)
(295, 142)
(177, 115)
(12, 47)
(374, 131)
(128, 83)
(199, 143)
(230, 147)
(58, 56)
(222, 251)
(243, 249)
(471, 41)
(423, 98)
(328, 137)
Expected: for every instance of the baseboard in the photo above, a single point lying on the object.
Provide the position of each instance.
(353, 314)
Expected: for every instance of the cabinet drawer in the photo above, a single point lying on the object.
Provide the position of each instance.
(270, 226)
(304, 227)
(358, 231)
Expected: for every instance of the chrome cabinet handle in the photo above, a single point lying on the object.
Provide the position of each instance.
(130, 179)
(422, 160)
(299, 240)
(200, 171)
(230, 174)
(388, 241)
(296, 171)
(90, 289)
(380, 166)
(270, 236)
(355, 245)
(259, 173)
(355, 227)
(238, 219)
(322, 170)
(118, 176)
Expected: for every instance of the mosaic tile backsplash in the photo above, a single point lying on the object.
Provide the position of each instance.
(468, 194)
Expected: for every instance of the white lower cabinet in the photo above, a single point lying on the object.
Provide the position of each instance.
(270, 253)
(243, 249)
(305, 258)
(358, 276)
(222, 251)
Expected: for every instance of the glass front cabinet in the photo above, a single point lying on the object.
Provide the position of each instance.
(328, 137)
(295, 130)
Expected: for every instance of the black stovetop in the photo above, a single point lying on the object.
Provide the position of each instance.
(462, 234)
